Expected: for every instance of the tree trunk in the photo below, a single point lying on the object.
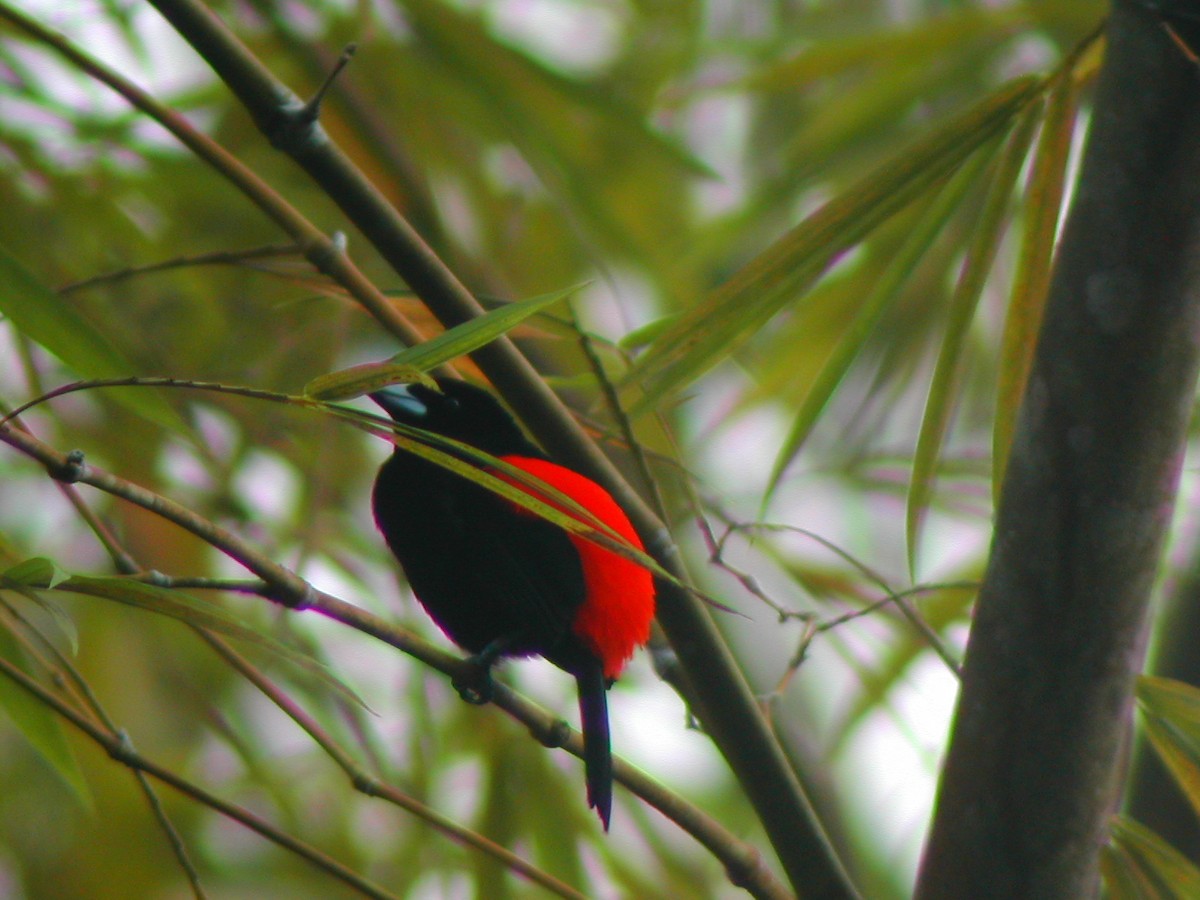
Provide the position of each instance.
(1033, 770)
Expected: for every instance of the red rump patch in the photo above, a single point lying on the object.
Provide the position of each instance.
(615, 616)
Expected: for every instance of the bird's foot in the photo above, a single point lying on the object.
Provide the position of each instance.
(477, 687)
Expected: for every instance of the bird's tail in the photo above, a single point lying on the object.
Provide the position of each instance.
(597, 751)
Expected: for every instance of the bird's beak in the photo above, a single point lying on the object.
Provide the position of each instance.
(399, 403)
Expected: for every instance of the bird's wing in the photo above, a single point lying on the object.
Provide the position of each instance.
(528, 565)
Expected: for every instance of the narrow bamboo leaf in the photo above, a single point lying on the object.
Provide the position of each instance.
(1123, 877)
(36, 572)
(1031, 283)
(37, 722)
(526, 93)
(199, 614)
(1171, 718)
(347, 384)
(946, 383)
(1179, 755)
(43, 316)
(884, 292)
(1171, 699)
(559, 125)
(483, 469)
(25, 576)
(1173, 874)
(470, 336)
(640, 337)
(891, 47)
(729, 315)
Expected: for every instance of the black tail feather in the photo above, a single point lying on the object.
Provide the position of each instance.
(597, 752)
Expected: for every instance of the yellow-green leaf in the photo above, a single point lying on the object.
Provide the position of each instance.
(1123, 878)
(1171, 699)
(546, 501)
(874, 305)
(36, 572)
(891, 47)
(1171, 719)
(470, 336)
(1154, 866)
(346, 384)
(1031, 283)
(946, 383)
(199, 613)
(730, 314)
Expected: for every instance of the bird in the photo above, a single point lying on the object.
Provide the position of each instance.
(501, 581)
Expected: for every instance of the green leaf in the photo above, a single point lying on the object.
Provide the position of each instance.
(730, 314)
(36, 721)
(470, 336)
(892, 48)
(358, 380)
(873, 307)
(43, 316)
(525, 91)
(409, 365)
(199, 613)
(1171, 699)
(36, 572)
(946, 384)
(25, 576)
(1152, 866)
(483, 469)
(567, 130)
(1123, 878)
(640, 337)
(1171, 718)
(1031, 284)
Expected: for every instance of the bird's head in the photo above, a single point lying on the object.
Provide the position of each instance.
(457, 410)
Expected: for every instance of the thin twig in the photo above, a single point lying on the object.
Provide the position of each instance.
(216, 258)
(900, 599)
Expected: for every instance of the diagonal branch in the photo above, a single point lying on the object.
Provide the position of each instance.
(715, 684)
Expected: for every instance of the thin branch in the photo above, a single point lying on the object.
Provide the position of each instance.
(216, 258)
(612, 402)
(361, 780)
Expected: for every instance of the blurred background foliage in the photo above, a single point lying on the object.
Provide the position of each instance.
(813, 240)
